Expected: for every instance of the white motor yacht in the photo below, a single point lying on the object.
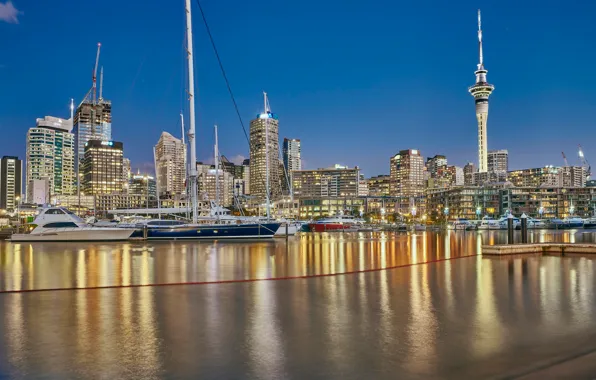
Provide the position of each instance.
(489, 223)
(60, 224)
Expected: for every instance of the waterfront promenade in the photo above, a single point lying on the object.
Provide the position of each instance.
(321, 306)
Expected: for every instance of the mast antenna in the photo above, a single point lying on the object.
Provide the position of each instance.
(481, 60)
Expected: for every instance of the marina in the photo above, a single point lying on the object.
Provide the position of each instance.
(318, 305)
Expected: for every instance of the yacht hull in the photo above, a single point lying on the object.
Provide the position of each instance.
(81, 234)
(212, 232)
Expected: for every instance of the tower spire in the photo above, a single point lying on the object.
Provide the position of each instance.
(481, 58)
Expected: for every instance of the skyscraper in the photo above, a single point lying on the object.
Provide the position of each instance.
(291, 155)
(11, 177)
(51, 155)
(406, 173)
(498, 160)
(481, 90)
(93, 117)
(170, 154)
(102, 167)
(264, 154)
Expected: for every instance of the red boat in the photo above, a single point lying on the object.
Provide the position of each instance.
(336, 223)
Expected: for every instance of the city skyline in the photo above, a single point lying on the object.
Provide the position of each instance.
(323, 106)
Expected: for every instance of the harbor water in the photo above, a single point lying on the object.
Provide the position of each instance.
(317, 306)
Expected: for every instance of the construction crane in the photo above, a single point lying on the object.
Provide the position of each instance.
(584, 162)
(565, 159)
(95, 74)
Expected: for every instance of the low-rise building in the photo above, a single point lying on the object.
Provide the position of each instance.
(333, 182)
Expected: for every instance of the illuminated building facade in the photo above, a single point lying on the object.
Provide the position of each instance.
(333, 182)
(51, 155)
(102, 168)
(264, 129)
(407, 173)
(170, 159)
(11, 177)
(92, 121)
(379, 186)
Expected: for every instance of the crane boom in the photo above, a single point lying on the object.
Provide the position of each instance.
(95, 72)
(565, 159)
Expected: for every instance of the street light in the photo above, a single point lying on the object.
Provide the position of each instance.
(478, 211)
(413, 210)
(541, 211)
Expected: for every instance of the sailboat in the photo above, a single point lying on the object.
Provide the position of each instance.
(175, 229)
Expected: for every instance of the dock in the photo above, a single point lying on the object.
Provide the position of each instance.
(547, 249)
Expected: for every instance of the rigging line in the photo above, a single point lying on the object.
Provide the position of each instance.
(223, 71)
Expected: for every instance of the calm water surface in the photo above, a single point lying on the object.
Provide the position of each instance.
(453, 315)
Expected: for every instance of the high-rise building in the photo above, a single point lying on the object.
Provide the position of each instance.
(498, 160)
(481, 91)
(102, 168)
(51, 155)
(292, 155)
(336, 181)
(264, 155)
(92, 121)
(469, 170)
(170, 158)
(379, 186)
(126, 173)
(407, 173)
(433, 163)
(11, 178)
(143, 186)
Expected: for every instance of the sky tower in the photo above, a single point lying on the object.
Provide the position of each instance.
(481, 91)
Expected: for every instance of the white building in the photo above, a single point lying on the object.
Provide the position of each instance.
(170, 159)
(51, 155)
(38, 191)
(292, 155)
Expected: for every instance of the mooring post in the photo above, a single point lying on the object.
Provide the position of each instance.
(510, 229)
(524, 228)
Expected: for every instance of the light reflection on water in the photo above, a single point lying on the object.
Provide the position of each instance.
(466, 318)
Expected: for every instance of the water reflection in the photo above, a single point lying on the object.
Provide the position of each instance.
(468, 318)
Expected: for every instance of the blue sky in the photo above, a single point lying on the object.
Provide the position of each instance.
(355, 81)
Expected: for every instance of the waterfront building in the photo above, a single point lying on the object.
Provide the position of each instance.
(318, 206)
(535, 177)
(11, 179)
(484, 178)
(536, 202)
(498, 160)
(264, 129)
(79, 204)
(292, 155)
(481, 91)
(362, 187)
(572, 176)
(379, 186)
(434, 163)
(407, 173)
(106, 202)
(549, 176)
(333, 182)
(102, 167)
(170, 158)
(50, 155)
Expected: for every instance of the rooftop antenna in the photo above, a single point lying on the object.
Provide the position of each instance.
(101, 84)
(95, 73)
(481, 62)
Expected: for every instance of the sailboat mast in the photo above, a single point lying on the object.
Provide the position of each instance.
(216, 153)
(266, 110)
(192, 178)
